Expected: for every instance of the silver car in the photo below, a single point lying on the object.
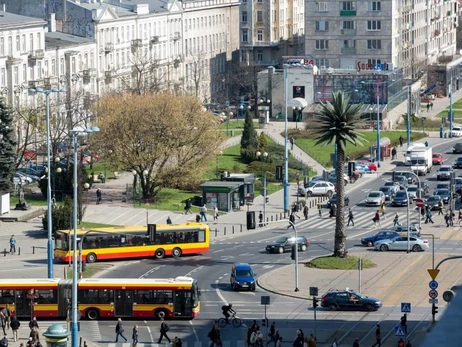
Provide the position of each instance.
(375, 198)
(413, 191)
(400, 244)
(392, 185)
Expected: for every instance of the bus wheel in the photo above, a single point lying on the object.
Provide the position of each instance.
(92, 314)
(161, 314)
(176, 252)
(91, 257)
(160, 253)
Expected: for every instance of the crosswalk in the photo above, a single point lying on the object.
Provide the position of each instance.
(238, 343)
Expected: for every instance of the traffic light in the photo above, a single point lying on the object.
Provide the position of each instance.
(434, 309)
(351, 168)
(267, 199)
(315, 302)
(251, 220)
(279, 173)
(393, 176)
(292, 253)
(264, 322)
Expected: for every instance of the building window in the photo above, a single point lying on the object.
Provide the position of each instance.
(3, 77)
(322, 25)
(373, 62)
(2, 46)
(321, 6)
(374, 6)
(374, 44)
(374, 25)
(15, 76)
(24, 72)
(243, 55)
(24, 48)
(259, 16)
(347, 6)
(322, 62)
(349, 43)
(260, 1)
(260, 35)
(322, 44)
(31, 40)
(18, 43)
(348, 24)
(245, 35)
(259, 55)
(53, 67)
(244, 16)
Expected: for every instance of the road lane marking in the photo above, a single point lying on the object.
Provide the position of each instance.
(189, 274)
(151, 271)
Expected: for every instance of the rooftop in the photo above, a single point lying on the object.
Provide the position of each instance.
(55, 40)
(10, 19)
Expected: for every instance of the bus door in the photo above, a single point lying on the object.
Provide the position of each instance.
(123, 303)
(23, 303)
(182, 304)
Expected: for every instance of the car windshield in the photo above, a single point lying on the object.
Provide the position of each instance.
(412, 189)
(387, 184)
(243, 273)
(281, 240)
(385, 189)
(437, 155)
(401, 194)
(374, 195)
(433, 199)
(442, 192)
(445, 169)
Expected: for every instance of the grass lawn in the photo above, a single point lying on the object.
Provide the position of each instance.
(172, 200)
(334, 263)
(90, 225)
(457, 113)
(322, 153)
(91, 270)
(99, 168)
(36, 199)
(457, 104)
(235, 124)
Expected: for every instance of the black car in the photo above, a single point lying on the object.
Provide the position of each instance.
(389, 192)
(458, 163)
(284, 244)
(400, 199)
(433, 201)
(348, 300)
(457, 149)
(381, 235)
(333, 200)
(444, 194)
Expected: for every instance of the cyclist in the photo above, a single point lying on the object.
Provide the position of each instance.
(227, 311)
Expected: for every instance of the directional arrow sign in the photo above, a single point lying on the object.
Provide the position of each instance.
(433, 273)
(433, 294)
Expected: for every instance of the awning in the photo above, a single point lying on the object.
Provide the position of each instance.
(297, 102)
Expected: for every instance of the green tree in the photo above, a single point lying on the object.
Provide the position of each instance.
(62, 216)
(8, 153)
(249, 140)
(337, 124)
(262, 142)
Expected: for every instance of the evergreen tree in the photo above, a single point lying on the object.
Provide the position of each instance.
(249, 139)
(7, 150)
(262, 142)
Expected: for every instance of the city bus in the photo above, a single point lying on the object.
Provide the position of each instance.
(102, 298)
(155, 240)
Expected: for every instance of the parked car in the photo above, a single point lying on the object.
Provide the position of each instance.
(444, 194)
(375, 198)
(438, 159)
(457, 149)
(332, 177)
(381, 235)
(284, 244)
(372, 166)
(433, 201)
(392, 185)
(401, 199)
(456, 131)
(242, 277)
(389, 192)
(333, 200)
(24, 178)
(321, 188)
(400, 244)
(348, 300)
(458, 184)
(28, 177)
(457, 163)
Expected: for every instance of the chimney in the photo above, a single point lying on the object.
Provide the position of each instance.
(51, 22)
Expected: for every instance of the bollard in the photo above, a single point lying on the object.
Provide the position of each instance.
(80, 342)
(224, 231)
(33, 249)
(276, 218)
(19, 250)
(84, 343)
(241, 228)
(233, 229)
(4, 252)
(216, 232)
(280, 216)
(271, 217)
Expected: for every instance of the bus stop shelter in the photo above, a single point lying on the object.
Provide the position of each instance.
(222, 194)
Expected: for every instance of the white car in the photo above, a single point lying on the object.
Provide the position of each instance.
(456, 131)
(375, 198)
(318, 188)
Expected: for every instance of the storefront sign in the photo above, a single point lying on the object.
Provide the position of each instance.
(366, 66)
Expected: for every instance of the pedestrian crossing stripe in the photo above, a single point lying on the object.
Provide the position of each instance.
(239, 343)
(399, 331)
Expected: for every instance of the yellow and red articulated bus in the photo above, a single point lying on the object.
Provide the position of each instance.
(155, 240)
(102, 298)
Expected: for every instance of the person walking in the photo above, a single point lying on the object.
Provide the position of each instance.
(12, 245)
(119, 330)
(335, 343)
(7, 314)
(272, 333)
(319, 208)
(164, 328)
(396, 220)
(15, 324)
(169, 221)
(356, 343)
(4, 341)
(198, 217)
(376, 219)
(378, 336)
(428, 214)
(33, 323)
(34, 334)
(400, 343)
(177, 342)
(311, 341)
(292, 141)
(215, 335)
(393, 153)
(440, 207)
(382, 209)
(215, 213)
(98, 196)
(135, 336)
(292, 219)
(295, 210)
(260, 219)
(351, 218)
(306, 211)
(188, 207)
(401, 140)
(3, 322)
(204, 213)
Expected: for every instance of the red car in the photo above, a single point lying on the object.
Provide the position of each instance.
(372, 166)
(438, 159)
(29, 155)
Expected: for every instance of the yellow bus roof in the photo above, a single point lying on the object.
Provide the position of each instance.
(136, 282)
(27, 283)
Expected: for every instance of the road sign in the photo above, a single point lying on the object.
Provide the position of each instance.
(433, 273)
(432, 301)
(433, 284)
(419, 202)
(433, 294)
(406, 307)
(399, 331)
(265, 300)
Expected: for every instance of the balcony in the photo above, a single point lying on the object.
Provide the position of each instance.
(267, 43)
(154, 40)
(50, 82)
(37, 54)
(176, 36)
(348, 50)
(347, 13)
(36, 84)
(137, 43)
(349, 32)
(109, 74)
(108, 47)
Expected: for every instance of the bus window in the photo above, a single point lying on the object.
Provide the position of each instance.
(163, 297)
(143, 297)
(195, 295)
(61, 241)
(6, 297)
(46, 296)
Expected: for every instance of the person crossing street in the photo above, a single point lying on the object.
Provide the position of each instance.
(351, 217)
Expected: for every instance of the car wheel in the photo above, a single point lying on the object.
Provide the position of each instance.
(370, 244)
(384, 248)
(303, 248)
(281, 250)
(370, 307)
(333, 307)
(416, 248)
(308, 193)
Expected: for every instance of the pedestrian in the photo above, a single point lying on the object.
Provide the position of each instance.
(332, 210)
(33, 323)
(408, 344)
(431, 105)
(30, 343)
(356, 343)
(98, 196)
(393, 153)
(169, 221)
(428, 106)
(382, 209)
(292, 141)
(15, 324)
(177, 342)
(278, 342)
(7, 314)
(12, 245)
(401, 140)
(102, 178)
(319, 208)
(119, 330)
(277, 339)
(396, 220)
(404, 323)
(204, 213)
(306, 211)
(400, 343)
(164, 328)
(292, 220)
(272, 333)
(351, 217)
(298, 342)
(428, 214)
(311, 341)
(198, 217)
(3, 322)
(378, 337)
(135, 336)
(34, 334)
(335, 343)
(440, 207)
(4, 341)
(426, 143)
(348, 159)
(188, 206)
(260, 219)
(296, 209)
(215, 213)
(376, 219)
(214, 335)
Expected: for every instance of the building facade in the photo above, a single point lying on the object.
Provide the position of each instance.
(403, 34)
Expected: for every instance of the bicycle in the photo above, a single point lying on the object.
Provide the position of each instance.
(235, 321)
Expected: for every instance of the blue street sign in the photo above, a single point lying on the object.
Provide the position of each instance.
(399, 331)
(406, 307)
(433, 284)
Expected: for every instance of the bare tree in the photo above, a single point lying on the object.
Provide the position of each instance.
(195, 72)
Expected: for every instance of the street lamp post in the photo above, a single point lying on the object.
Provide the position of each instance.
(286, 140)
(261, 156)
(75, 332)
(47, 93)
(378, 130)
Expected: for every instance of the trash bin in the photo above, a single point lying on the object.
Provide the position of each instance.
(232, 133)
(445, 135)
(56, 335)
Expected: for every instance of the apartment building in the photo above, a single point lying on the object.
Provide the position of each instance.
(271, 29)
(408, 34)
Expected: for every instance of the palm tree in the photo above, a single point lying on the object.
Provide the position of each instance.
(337, 124)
